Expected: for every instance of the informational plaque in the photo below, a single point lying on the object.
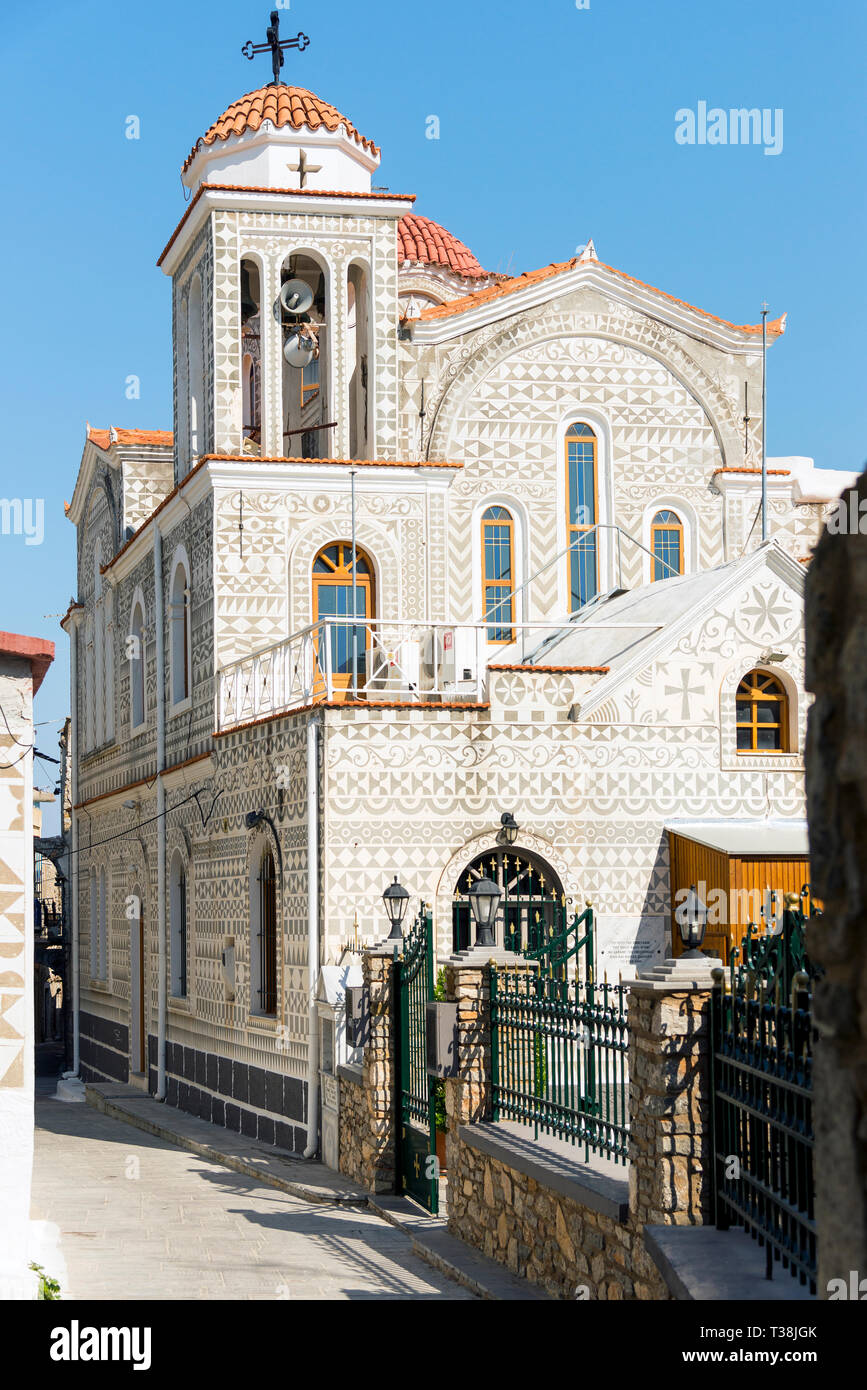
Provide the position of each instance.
(626, 945)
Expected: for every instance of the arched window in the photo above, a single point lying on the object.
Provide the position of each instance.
(251, 355)
(94, 925)
(180, 634)
(138, 1062)
(195, 355)
(136, 652)
(264, 945)
(666, 543)
(762, 711)
(103, 927)
(498, 573)
(359, 354)
(178, 926)
(97, 694)
(332, 598)
(582, 513)
(88, 694)
(305, 387)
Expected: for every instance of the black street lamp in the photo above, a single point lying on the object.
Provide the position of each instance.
(691, 918)
(510, 828)
(484, 899)
(396, 899)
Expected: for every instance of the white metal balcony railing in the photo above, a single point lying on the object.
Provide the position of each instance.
(424, 663)
(419, 663)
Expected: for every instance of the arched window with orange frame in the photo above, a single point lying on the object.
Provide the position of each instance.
(666, 543)
(333, 599)
(498, 573)
(582, 502)
(762, 711)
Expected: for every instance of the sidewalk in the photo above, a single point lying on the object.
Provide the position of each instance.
(312, 1213)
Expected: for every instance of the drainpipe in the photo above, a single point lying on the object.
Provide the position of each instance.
(159, 624)
(312, 937)
(72, 755)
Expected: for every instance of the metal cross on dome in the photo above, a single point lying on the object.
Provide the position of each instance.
(275, 44)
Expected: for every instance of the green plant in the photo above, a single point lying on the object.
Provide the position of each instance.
(49, 1289)
(440, 1105)
(440, 986)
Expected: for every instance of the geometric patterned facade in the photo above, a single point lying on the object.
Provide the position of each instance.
(593, 764)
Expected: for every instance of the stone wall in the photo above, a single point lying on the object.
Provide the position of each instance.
(837, 802)
(563, 1245)
(671, 1150)
(367, 1130)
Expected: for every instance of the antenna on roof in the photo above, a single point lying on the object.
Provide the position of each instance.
(764, 426)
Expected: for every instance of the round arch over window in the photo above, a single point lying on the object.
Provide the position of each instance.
(531, 896)
(666, 543)
(582, 504)
(762, 714)
(498, 573)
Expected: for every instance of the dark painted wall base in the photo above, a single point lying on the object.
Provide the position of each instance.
(221, 1091)
(103, 1049)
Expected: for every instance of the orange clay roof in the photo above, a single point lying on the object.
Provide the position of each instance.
(772, 472)
(282, 106)
(102, 438)
(533, 277)
(420, 239)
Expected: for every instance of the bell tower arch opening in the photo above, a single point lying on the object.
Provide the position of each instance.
(304, 310)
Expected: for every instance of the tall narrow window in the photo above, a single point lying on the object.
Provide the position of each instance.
(762, 714)
(666, 543)
(265, 1001)
(94, 925)
(98, 693)
(332, 598)
(195, 348)
(498, 573)
(103, 927)
(136, 649)
(251, 355)
(582, 503)
(178, 923)
(180, 634)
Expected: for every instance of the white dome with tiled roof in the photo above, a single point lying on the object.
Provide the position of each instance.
(281, 137)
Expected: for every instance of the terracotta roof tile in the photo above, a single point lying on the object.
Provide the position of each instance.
(103, 438)
(282, 105)
(421, 240)
(772, 472)
(532, 277)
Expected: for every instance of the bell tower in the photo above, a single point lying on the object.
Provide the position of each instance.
(284, 270)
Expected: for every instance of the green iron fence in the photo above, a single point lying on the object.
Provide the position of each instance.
(559, 1059)
(418, 1174)
(763, 1095)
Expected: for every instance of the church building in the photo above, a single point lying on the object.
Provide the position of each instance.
(426, 547)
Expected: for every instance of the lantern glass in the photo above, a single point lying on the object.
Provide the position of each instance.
(691, 919)
(510, 827)
(396, 899)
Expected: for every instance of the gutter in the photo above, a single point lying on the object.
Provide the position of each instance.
(312, 936)
(159, 624)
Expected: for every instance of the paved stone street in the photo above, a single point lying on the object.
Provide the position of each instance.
(139, 1218)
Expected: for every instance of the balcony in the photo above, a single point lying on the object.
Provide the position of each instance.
(377, 662)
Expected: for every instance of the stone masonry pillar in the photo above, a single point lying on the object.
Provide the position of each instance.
(379, 1130)
(671, 1147)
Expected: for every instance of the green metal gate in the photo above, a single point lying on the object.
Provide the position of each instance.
(417, 1169)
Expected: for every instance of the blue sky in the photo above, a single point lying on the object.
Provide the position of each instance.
(556, 124)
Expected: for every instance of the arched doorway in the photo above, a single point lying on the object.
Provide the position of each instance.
(333, 589)
(135, 912)
(531, 905)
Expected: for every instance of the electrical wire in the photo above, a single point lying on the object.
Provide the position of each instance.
(123, 834)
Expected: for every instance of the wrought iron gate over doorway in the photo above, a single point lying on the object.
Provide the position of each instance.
(417, 1169)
